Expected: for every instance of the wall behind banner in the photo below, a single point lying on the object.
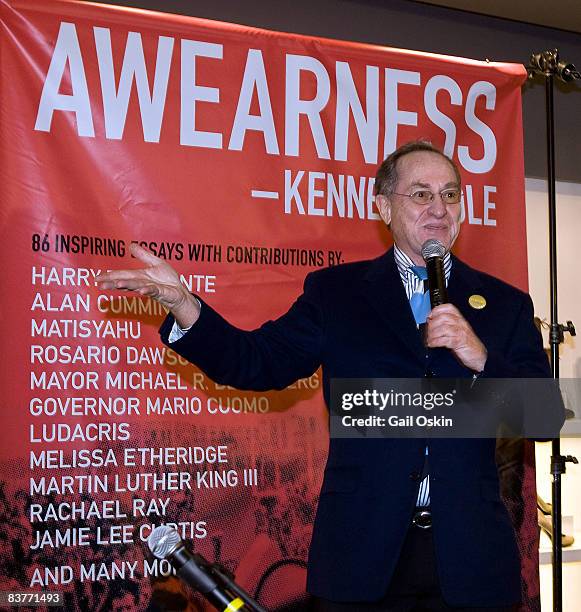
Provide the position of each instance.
(569, 230)
(411, 25)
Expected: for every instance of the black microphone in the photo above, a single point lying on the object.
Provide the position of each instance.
(433, 252)
(165, 543)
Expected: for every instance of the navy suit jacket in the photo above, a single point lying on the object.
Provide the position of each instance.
(355, 321)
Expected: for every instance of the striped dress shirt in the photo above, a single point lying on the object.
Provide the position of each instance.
(412, 284)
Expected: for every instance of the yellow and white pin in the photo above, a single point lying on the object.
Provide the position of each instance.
(477, 302)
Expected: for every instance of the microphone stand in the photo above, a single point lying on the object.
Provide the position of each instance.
(550, 67)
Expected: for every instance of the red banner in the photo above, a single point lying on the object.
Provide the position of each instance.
(246, 159)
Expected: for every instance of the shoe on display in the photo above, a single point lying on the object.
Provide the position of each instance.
(545, 523)
(543, 506)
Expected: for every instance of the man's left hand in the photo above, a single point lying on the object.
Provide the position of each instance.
(447, 328)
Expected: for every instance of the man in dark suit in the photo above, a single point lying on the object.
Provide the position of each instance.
(401, 524)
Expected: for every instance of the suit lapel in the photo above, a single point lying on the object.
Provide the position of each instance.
(383, 289)
(465, 282)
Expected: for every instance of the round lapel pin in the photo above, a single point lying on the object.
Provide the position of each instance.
(477, 302)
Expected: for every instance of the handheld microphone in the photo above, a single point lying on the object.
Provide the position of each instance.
(433, 252)
(165, 543)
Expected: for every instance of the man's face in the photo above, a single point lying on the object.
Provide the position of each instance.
(412, 224)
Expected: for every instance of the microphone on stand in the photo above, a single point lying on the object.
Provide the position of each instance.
(206, 578)
(433, 252)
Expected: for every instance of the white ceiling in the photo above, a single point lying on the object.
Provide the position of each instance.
(562, 14)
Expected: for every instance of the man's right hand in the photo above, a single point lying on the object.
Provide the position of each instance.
(158, 281)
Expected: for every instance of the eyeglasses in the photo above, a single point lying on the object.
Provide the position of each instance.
(425, 196)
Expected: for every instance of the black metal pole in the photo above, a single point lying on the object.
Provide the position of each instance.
(554, 344)
(547, 63)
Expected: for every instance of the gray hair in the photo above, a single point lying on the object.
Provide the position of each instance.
(386, 177)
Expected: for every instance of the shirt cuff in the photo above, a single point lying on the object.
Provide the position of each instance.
(177, 332)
